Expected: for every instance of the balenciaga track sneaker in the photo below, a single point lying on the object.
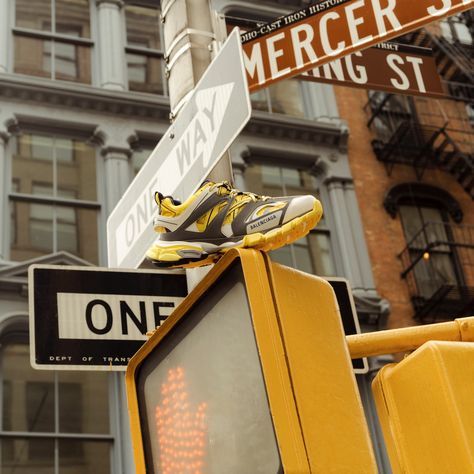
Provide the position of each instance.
(218, 217)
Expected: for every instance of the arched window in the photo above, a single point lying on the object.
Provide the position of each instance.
(439, 253)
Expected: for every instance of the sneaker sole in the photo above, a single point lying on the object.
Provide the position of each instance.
(174, 256)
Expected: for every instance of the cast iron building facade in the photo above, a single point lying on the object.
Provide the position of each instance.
(84, 101)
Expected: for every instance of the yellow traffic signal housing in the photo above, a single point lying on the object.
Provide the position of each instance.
(426, 408)
(250, 374)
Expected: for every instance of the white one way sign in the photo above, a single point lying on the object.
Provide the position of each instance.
(90, 318)
(206, 126)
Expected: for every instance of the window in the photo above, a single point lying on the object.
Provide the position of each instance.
(437, 260)
(470, 113)
(311, 254)
(423, 226)
(145, 63)
(52, 39)
(285, 97)
(51, 422)
(53, 197)
(455, 30)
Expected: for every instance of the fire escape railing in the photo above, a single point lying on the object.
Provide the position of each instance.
(438, 265)
(410, 143)
(455, 60)
(462, 91)
(401, 139)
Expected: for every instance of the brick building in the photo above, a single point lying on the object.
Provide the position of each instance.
(411, 159)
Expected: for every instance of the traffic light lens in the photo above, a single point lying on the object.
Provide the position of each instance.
(202, 398)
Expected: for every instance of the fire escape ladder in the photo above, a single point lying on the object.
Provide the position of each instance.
(452, 59)
(426, 151)
(385, 152)
(452, 159)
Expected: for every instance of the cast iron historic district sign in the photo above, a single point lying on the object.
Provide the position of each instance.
(91, 318)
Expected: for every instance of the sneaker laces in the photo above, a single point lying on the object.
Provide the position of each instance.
(232, 192)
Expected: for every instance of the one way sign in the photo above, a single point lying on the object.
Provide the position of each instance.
(89, 318)
(206, 126)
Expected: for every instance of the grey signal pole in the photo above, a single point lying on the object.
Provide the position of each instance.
(192, 33)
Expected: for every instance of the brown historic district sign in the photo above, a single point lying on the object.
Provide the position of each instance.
(391, 67)
(331, 29)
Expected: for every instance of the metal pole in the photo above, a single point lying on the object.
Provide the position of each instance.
(192, 32)
(408, 339)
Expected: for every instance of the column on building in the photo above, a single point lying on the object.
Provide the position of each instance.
(5, 31)
(238, 151)
(324, 102)
(4, 240)
(350, 236)
(111, 45)
(117, 175)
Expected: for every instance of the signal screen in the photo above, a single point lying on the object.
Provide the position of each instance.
(202, 398)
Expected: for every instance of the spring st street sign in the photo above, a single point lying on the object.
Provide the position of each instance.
(390, 67)
(331, 29)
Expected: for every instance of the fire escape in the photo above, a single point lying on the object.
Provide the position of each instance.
(438, 261)
(403, 139)
(403, 136)
(438, 265)
(454, 58)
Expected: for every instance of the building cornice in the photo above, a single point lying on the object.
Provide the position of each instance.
(83, 97)
(148, 106)
(283, 127)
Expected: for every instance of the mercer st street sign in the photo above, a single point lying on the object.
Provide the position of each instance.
(216, 112)
(331, 29)
(89, 318)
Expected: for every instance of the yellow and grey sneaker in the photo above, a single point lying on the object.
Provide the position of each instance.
(217, 217)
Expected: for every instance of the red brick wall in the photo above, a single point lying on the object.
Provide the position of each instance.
(384, 235)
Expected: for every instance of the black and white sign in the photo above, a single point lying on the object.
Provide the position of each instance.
(216, 112)
(95, 318)
(349, 318)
